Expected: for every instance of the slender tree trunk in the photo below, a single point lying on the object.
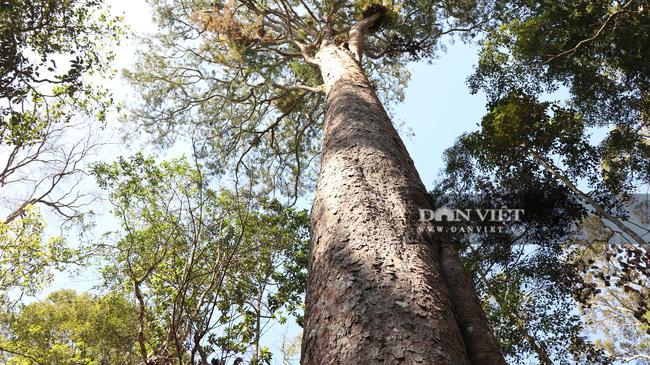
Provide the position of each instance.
(255, 359)
(141, 322)
(375, 292)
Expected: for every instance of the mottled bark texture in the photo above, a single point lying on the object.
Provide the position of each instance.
(482, 346)
(376, 292)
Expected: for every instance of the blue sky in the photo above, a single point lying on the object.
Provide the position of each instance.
(439, 108)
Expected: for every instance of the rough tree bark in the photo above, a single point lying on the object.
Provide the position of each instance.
(376, 291)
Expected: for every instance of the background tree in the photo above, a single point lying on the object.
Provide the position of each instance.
(207, 273)
(522, 272)
(48, 51)
(27, 257)
(505, 164)
(596, 51)
(618, 307)
(545, 157)
(70, 328)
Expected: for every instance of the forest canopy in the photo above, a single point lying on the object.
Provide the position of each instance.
(196, 227)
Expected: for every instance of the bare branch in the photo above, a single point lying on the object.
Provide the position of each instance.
(47, 173)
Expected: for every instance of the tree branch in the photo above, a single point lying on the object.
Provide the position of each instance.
(357, 35)
(304, 51)
(553, 170)
(317, 89)
(598, 33)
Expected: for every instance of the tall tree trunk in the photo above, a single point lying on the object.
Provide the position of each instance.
(375, 291)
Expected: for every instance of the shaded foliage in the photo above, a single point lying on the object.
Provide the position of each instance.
(542, 156)
(521, 271)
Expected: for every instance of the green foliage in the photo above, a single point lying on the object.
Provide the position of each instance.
(595, 50)
(226, 72)
(70, 328)
(518, 129)
(26, 258)
(624, 161)
(47, 49)
(206, 268)
(543, 40)
(540, 157)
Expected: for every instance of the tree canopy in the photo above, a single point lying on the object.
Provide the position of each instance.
(195, 269)
(241, 75)
(48, 48)
(207, 271)
(70, 328)
(49, 51)
(574, 166)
